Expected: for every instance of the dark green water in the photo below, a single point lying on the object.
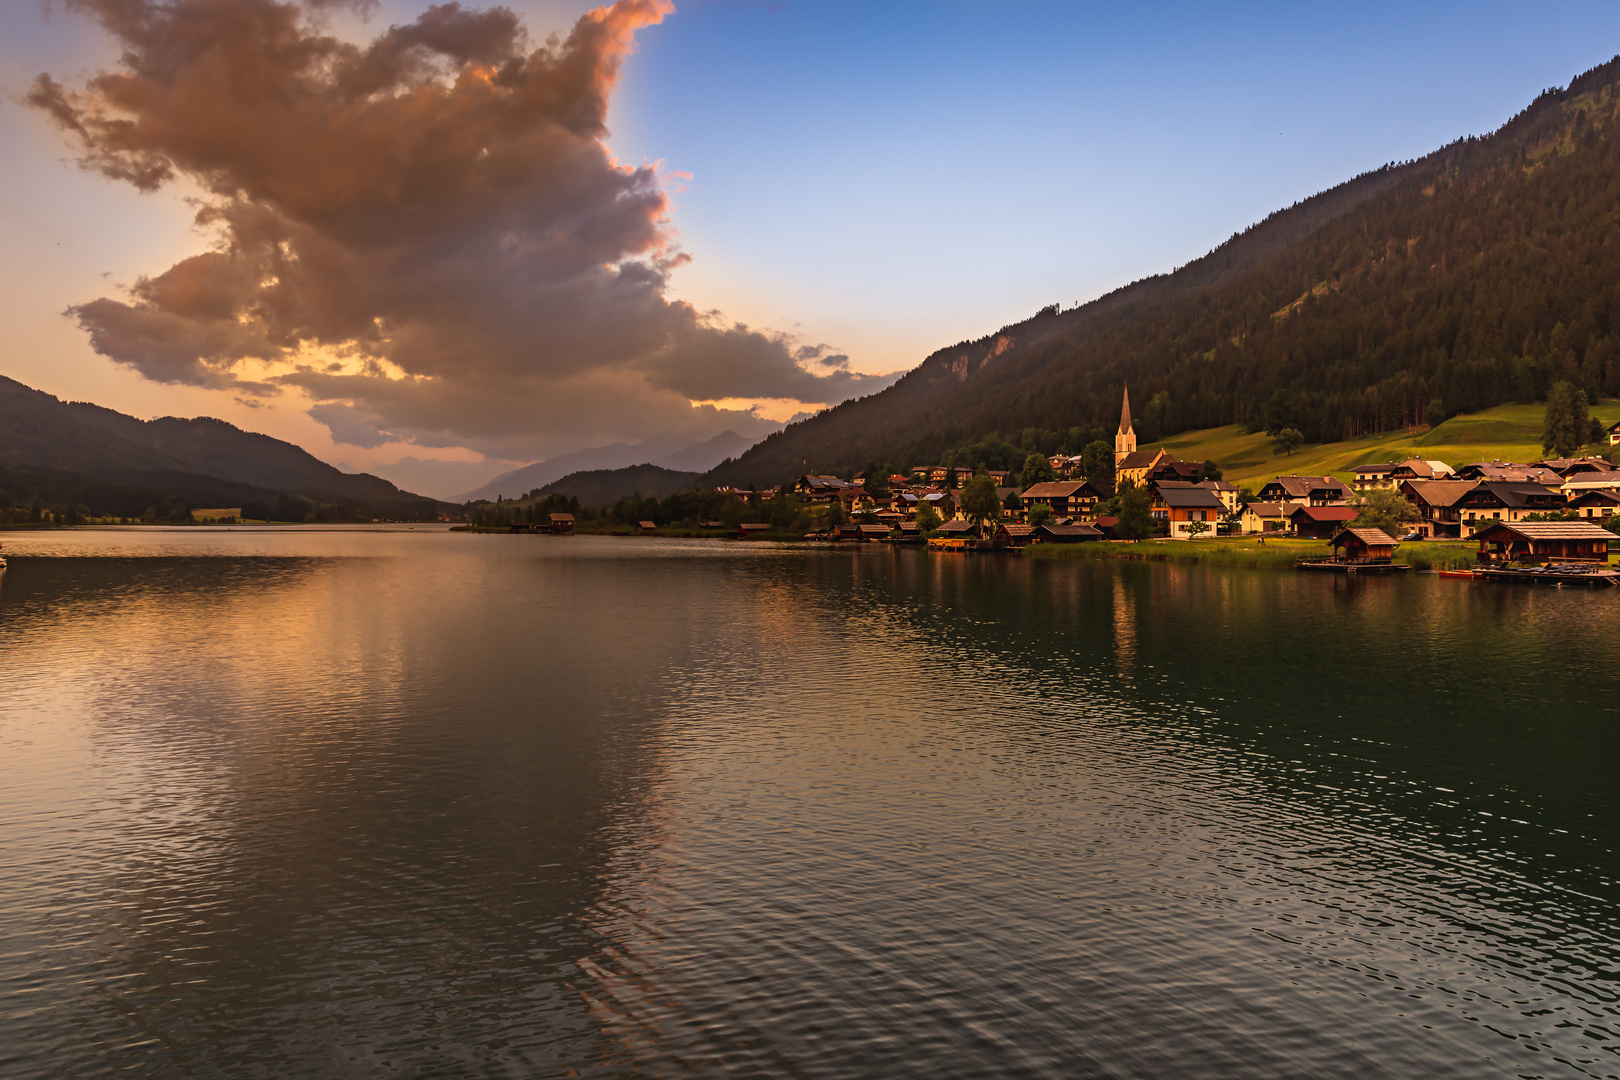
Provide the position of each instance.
(422, 804)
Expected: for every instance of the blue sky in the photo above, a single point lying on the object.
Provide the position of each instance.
(883, 178)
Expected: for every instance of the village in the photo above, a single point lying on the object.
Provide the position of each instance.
(1559, 513)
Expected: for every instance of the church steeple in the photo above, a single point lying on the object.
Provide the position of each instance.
(1125, 439)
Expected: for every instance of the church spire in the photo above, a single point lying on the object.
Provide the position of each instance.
(1125, 438)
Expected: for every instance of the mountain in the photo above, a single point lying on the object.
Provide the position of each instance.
(604, 487)
(666, 453)
(706, 455)
(1472, 277)
(50, 446)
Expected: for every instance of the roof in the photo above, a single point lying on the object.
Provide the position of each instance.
(1218, 485)
(1187, 497)
(1370, 537)
(1552, 530)
(754, 526)
(1054, 489)
(1300, 487)
(1070, 530)
(1513, 494)
(1440, 492)
(1592, 480)
(1125, 411)
(1138, 459)
(647, 524)
(875, 530)
(1266, 509)
(956, 526)
(1609, 495)
(560, 518)
(1017, 530)
(1327, 513)
(1381, 467)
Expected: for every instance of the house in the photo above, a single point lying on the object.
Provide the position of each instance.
(561, 524)
(1591, 481)
(1436, 502)
(1014, 536)
(1067, 498)
(1171, 468)
(1598, 504)
(1390, 474)
(898, 482)
(1320, 522)
(647, 526)
(1067, 534)
(751, 528)
(1267, 517)
(1614, 434)
(998, 477)
(1010, 502)
(1537, 543)
(1571, 468)
(1231, 495)
(1312, 490)
(960, 528)
(711, 524)
(1106, 526)
(1364, 546)
(820, 488)
(1179, 505)
(847, 532)
(1510, 472)
(874, 533)
(1494, 500)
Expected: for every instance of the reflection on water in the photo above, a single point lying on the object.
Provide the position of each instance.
(409, 802)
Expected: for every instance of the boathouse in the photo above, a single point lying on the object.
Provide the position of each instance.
(1368, 546)
(1014, 536)
(561, 524)
(1537, 543)
(1320, 522)
(1067, 534)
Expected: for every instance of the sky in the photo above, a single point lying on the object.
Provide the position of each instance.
(422, 242)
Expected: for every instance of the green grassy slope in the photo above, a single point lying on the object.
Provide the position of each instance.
(1508, 432)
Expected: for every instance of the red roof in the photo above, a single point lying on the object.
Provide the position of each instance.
(1327, 513)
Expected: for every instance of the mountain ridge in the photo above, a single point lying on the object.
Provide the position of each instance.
(1208, 342)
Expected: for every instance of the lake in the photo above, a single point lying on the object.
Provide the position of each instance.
(405, 802)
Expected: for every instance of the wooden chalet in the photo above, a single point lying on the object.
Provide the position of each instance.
(1311, 490)
(1391, 474)
(1503, 501)
(1320, 522)
(647, 526)
(560, 524)
(1014, 536)
(1539, 543)
(1510, 472)
(1570, 468)
(1614, 434)
(874, 533)
(819, 489)
(959, 527)
(1067, 498)
(1067, 534)
(750, 528)
(1175, 469)
(1595, 504)
(1436, 502)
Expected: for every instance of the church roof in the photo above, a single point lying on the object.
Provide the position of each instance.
(1125, 413)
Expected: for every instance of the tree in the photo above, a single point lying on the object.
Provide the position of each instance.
(1135, 514)
(1097, 459)
(1568, 422)
(1037, 470)
(1040, 514)
(927, 518)
(1435, 414)
(1381, 508)
(980, 503)
(1279, 413)
(1286, 441)
(1195, 529)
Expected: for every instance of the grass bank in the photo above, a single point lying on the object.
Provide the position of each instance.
(1274, 553)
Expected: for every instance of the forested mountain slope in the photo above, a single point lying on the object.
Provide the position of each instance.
(1475, 276)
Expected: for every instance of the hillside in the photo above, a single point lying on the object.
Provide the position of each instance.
(665, 453)
(604, 487)
(78, 453)
(1474, 277)
(1507, 432)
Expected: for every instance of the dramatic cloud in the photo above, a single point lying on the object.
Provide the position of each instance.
(427, 233)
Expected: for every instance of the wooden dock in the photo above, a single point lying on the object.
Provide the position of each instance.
(1333, 565)
(1562, 575)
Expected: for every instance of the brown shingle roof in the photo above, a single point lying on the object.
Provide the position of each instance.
(1440, 492)
(1370, 537)
(1054, 489)
(1327, 513)
(1553, 530)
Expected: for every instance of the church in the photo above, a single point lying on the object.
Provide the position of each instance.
(1135, 465)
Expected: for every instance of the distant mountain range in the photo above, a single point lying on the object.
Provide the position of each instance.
(58, 451)
(1472, 277)
(664, 453)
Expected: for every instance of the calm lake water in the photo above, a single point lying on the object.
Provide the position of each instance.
(411, 803)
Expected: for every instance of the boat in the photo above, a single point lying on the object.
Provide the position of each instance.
(2, 560)
(1455, 573)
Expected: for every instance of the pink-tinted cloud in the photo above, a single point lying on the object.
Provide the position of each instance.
(426, 233)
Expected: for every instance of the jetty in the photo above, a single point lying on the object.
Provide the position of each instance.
(1357, 551)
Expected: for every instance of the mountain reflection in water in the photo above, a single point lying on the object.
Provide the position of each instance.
(332, 803)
